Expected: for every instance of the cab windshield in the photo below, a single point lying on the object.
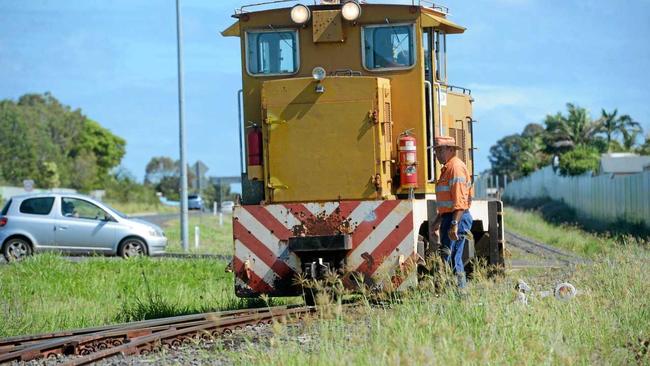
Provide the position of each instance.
(388, 46)
(272, 53)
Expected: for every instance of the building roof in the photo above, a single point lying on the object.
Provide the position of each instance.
(623, 163)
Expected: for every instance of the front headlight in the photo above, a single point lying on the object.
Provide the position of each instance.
(154, 233)
(300, 14)
(351, 11)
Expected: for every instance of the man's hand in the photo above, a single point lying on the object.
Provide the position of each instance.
(453, 232)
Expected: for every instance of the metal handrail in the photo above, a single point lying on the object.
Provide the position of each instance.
(270, 2)
(464, 90)
(431, 5)
(424, 3)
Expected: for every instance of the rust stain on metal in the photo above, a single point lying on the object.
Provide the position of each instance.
(322, 224)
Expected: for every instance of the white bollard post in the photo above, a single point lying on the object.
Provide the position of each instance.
(220, 218)
(214, 208)
(197, 234)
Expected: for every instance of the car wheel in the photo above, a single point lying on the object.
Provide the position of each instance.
(16, 249)
(132, 247)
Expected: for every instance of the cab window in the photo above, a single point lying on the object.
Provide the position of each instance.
(388, 46)
(440, 44)
(73, 207)
(272, 53)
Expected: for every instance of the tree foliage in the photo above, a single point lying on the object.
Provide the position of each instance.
(645, 148)
(44, 140)
(577, 139)
(163, 173)
(122, 186)
(581, 160)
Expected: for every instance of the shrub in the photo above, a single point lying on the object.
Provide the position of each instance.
(580, 160)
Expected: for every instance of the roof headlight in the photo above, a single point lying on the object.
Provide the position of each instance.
(351, 11)
(318, 73)
(300, 14)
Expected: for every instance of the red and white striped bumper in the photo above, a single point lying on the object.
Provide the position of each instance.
(383, 236)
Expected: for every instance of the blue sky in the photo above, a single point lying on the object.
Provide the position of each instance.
(116, 60)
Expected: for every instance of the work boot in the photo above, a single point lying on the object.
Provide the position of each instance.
(462, 280)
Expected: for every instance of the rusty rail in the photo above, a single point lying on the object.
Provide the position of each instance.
(138, 337)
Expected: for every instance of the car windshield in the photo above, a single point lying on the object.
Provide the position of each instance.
(192, 197)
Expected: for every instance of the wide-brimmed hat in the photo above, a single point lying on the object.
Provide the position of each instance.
(445, 141)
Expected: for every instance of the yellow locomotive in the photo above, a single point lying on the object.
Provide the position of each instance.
(329, 93)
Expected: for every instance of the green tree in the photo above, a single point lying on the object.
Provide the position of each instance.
(631, 130)
(504, 156)
(123, 187)
(44, 140)
(49, 177)
(576, 128)
(580, 160)
(612, 124)
(645, 148)
(107, 149)
(17, 149)
(158, 168)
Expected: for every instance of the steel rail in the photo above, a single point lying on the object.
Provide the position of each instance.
(535, 247)
(176, 337)
(82, 341)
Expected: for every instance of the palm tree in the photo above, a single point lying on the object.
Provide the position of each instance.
(576, 128)
(611, 124)
(630, 130)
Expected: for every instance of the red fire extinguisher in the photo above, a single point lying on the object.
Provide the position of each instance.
(254, 139)
(406, 146)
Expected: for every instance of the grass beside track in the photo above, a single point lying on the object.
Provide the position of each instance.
(607, 323)
(214, 238)
(48, 293)
(569, 237)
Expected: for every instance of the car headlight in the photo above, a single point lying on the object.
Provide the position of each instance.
(154, 232)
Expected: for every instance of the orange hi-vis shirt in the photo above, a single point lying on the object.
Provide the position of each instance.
(454, 188)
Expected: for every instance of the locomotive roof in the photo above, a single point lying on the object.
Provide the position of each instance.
(434, 16)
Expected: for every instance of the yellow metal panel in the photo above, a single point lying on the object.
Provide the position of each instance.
(406, 86)
(327, 26)
(325, 146)
(438, 21)
(255, 172)
(232, 31)
(459, 115)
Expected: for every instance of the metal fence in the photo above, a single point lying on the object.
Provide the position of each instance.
(607, 198)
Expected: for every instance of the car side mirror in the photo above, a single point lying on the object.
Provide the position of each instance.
(108, 218)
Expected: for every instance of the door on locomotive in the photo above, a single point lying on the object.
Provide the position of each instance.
(278, 92)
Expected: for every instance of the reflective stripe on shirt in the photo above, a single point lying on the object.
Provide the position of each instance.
(445, 203)
(441, 188)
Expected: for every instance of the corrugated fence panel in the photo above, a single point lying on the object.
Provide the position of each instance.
(606, 198)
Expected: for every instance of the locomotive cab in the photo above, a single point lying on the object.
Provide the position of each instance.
(340, 106)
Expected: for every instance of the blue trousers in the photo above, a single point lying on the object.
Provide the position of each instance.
(452, 250)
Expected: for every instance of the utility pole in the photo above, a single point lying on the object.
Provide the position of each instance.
(181, 132)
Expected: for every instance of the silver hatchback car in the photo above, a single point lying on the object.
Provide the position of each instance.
(73, 224)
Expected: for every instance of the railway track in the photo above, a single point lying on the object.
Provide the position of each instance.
(89, 345)
(549, 256)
